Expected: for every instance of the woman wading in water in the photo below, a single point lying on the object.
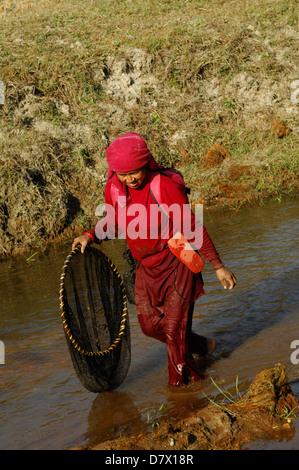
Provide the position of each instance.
(165, 287)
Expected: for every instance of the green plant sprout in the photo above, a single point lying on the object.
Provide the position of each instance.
(31, 258)
(148, 417)
(228, 396)
(290, 414)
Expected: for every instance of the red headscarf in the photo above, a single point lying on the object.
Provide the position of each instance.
(129, 152)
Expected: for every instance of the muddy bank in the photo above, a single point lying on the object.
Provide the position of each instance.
(213, 90)
(264, 412)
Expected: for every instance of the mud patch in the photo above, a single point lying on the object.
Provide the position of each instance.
(280, 128)
(215, 156)
(261, 413)
(125, 79)
(237, 172)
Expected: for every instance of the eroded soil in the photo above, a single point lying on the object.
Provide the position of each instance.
(263, 412)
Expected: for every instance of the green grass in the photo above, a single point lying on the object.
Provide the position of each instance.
(226, 397)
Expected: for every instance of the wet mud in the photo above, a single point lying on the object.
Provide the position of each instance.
(265, 411)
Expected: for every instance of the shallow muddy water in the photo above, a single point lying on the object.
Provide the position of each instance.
(44, 406)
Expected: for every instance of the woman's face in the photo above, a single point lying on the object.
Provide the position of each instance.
(133, 179)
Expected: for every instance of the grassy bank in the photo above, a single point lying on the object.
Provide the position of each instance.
(211, 85)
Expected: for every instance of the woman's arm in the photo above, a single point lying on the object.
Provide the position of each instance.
(106, 231)
(200, 238)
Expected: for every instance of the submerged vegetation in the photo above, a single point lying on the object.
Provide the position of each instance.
(210, 84)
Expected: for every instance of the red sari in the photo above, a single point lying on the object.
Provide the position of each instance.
(165, 289)
(165, 297)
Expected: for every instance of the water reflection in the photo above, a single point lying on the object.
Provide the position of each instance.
(113, 414)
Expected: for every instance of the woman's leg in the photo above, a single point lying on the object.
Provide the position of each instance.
(201, 346)
(165, 315)
(177, 328)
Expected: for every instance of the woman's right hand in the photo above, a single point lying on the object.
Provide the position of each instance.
(83, 240)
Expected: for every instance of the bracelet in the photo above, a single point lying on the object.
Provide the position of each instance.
(90, 235)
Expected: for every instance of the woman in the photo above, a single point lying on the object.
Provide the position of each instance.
(165, 287)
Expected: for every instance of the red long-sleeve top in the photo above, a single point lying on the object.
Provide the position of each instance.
(147, 229)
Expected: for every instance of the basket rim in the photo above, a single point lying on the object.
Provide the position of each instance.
(124, 315)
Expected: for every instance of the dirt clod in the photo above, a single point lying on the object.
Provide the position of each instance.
(261, 413)
(215, 156)
(280, 128)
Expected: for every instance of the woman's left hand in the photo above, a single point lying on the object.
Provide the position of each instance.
(226, 277)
